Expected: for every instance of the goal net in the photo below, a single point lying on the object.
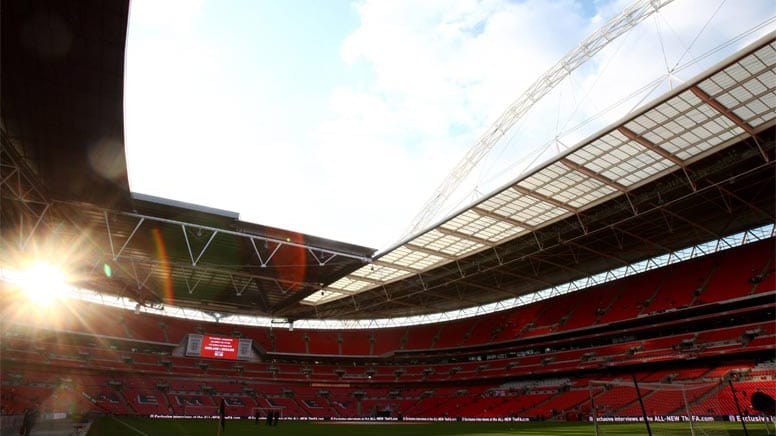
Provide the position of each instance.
(670, 408)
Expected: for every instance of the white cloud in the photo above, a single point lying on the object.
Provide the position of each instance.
(443, 70)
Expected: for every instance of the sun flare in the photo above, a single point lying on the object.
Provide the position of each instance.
(42, 282)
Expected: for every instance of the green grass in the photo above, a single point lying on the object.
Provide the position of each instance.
(188, 427)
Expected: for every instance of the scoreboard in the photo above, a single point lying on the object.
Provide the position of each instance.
(218, 347)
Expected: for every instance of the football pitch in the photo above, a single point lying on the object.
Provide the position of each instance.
(189, 427)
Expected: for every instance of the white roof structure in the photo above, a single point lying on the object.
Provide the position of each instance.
(735, 100)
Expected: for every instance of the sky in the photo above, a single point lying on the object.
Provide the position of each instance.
(339, 118)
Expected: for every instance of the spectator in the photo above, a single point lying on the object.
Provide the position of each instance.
(29, 421)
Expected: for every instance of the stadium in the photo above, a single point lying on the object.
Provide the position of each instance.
(625, 286)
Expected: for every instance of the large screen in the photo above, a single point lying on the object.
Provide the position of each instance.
(218, 347)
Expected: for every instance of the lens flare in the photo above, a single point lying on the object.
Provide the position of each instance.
(42, 282)
(164, 261)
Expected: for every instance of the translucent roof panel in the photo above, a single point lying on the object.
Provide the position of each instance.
(618, 159)
(569, 186)
(746, 87)
(532, 210)
(324, 296)
(379, 273)
(689, 126)
(483, 227)
(451, 245)
(349, 284)
(408, 258)
(502, 204)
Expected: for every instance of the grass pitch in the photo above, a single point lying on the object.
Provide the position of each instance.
(189, 427)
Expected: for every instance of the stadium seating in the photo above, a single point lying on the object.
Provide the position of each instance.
(733, 277)
(538, 360)
(357, 343)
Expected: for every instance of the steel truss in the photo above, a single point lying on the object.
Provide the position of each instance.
(118, 241)
(23, 205)
(322, 256)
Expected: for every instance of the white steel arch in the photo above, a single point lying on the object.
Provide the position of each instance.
(611, 30)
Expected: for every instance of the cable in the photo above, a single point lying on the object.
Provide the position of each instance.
(689, 47)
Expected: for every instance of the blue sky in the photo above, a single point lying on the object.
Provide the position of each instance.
(339, 118)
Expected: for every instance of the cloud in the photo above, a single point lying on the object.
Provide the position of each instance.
(442, 72)
(466, 60)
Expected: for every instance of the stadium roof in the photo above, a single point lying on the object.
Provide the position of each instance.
(62, 96)
(673, 139)
(697, 164)
(64, 178)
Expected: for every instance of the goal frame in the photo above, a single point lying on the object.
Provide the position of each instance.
(651, 386)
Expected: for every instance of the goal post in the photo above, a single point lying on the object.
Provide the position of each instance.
(666, 406)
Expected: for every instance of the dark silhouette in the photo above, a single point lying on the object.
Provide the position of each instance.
(29, 421)
(221, 416)
(764, 403)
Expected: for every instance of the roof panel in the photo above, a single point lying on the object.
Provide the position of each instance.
(621, 160)
(534, 182)
(483, 227)
(404, 257)
(500, 231)
(753, 64)
(462, 220)
(448, 244)
(349, 283)
(475, 225)
(428, 238)
(418, 260)
(766, 54)
(746, 87)
(755, 86)
(536, 212)
(502, 204)
(699, 128)
(559, 177)
(379, 273)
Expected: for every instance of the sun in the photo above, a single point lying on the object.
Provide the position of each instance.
(42, 282)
